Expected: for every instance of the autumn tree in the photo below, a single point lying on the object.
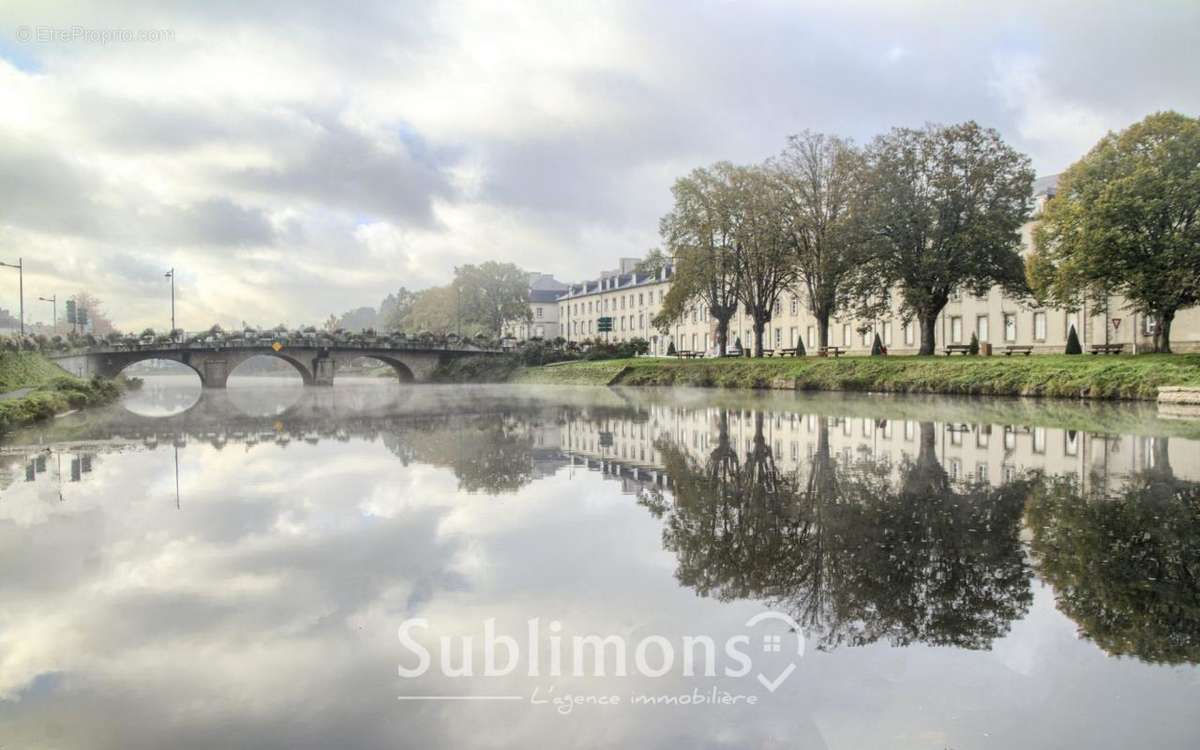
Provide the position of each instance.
(821, 175)
(1126, 219)
(941, 209)
(698, 236)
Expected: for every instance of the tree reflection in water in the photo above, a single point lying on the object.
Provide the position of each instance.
(1125, 565)
(857, 552)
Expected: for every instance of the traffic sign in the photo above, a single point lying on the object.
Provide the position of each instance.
(604, 325)
(1116, 323)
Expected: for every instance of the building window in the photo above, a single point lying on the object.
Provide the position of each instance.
(1010, 327)
(778, 337)
(910, 331)
(956, 330)
(795, 334)
(810, 336)
(1148, 325)
(846, 334)
(887, 333)
(777, 308)
(641, 320)
(1039, 326)
(981, 327)
(537, 313)
(795, 306)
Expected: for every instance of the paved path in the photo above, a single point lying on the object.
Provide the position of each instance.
(15, 394)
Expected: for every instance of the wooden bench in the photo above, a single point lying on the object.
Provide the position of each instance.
(792, 352)
(952, 349)
(1107, 348)
(682, 354)
(1012, 349)
(768, 352)
(826, 351)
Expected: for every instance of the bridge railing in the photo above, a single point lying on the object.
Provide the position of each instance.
(212, 343)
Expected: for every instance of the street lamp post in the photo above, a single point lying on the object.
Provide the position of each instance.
(171, 275)
(20, 266)
(53, 300)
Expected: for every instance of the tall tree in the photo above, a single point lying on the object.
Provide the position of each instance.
(435, 310)
(394, 308)
(821, 175)
(1126, 219)
(698, 235)
(941, 211)
(762, 259)
(492, 294)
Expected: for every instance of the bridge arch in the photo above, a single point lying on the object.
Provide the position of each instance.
(403, 372)
(156, 357)
(302, 369)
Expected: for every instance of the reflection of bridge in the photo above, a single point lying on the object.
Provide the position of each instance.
(412, 361)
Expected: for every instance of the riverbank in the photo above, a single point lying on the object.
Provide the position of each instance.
(39, 389)
(1082, 376)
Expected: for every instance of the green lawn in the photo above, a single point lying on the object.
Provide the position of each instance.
(1082, 376)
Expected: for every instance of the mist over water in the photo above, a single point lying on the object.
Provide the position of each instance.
(230, 567)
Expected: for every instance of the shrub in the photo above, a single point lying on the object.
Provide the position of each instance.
(1073, 346)
(800, 351)
(671, 348)
(972, 347)
(877, 346)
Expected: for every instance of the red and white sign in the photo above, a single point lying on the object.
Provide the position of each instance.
(1116, 323)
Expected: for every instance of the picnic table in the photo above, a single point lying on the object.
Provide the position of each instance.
(825, 351)
(1107, 348)
(1012, 349)
(952, 349)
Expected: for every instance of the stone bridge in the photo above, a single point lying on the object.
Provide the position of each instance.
(414, 362)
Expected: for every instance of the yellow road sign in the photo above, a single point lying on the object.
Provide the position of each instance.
(276, 346)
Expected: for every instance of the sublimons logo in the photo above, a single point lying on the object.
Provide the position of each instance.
(546, 651)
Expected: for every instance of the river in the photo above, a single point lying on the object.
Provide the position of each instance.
(380, 565)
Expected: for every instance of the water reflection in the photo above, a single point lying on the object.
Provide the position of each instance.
(856, 551)
(292, 532)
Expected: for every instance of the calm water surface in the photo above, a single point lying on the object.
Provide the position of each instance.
(235, 568)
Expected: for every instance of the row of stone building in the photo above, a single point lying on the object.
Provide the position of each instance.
(631, 300)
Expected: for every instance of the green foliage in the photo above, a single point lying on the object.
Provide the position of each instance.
(877, 346)
(55, 395)
(972, 347)
(1126, 220)
(800, 350)
(492, 294)
(1073, 346)
(671, 352)
(941, 211)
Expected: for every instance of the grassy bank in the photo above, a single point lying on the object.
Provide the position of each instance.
(51, 390)
(1082, 376)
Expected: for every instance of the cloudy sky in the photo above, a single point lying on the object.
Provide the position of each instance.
(297, 159)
